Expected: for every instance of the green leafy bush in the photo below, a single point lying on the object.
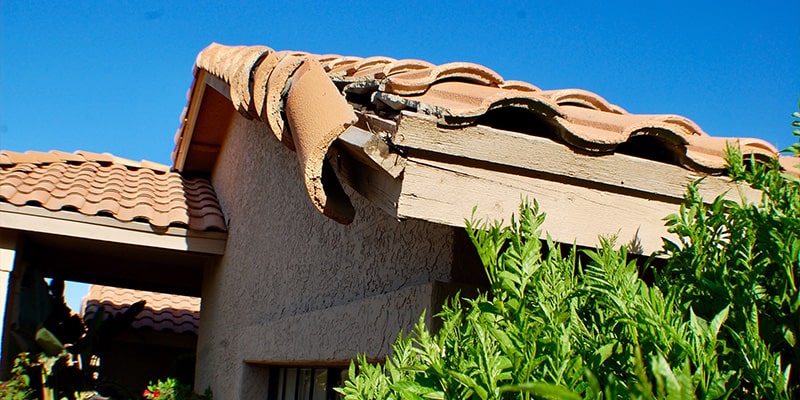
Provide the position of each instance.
(18, 386)
(719, 320)
(171, 389)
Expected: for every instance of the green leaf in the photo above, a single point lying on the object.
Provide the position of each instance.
(48, 342)
(605, 351)
(542, 389)
(718, 320)
(790, 337)
(470, 383)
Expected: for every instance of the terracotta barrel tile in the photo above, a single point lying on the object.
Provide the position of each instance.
(461, 103)
(709, 152)
(178, 215)
(791, 164)
(581, 98)
(343, 67)
(243, 81)
(325, 59)
(317, 114)
(339, 65)
(204, 206)
(5, 159)
(207, 58)
(75, 199)
(519, 86)
(401, 66)
(101, 206)
(71, 200)
(7, 191)
(276, 87)
(417, 81)
(97, 157)
(261, 80)
(207, 222)
(67, 157)
(240, 78)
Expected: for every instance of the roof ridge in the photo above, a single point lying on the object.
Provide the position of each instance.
(11, 158)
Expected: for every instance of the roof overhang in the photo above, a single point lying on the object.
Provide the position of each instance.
(72, 224)
(206, 121)
(441, 174)
(484, 173)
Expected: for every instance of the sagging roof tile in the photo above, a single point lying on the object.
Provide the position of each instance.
(457, 94)
(162, 312)
(102, 184)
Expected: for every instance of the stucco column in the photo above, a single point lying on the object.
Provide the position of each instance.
(8, 245)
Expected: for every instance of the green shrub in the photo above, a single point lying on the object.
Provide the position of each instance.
(720, 319)
(18, 386)
(171, 389)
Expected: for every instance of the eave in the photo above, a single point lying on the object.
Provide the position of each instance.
(483, 173)
(413, 166)
(103, 229)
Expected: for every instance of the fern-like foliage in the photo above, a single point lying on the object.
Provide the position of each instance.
(720, 319)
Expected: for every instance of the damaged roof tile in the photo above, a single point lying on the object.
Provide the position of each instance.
(457, 94)
(102, 184)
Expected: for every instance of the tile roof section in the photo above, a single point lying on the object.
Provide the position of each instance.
(162, 312)
(102, 184)
(457, 94)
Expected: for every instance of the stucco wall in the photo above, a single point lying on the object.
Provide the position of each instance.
(292, 282)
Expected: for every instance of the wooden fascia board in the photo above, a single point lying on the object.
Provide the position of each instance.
(612, 172)
(447, 193)
(195, 101)
(65, 223)
(218, 84)
(449, 171)
(371, 150)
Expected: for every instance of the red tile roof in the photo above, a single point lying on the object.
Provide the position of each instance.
(162, 312)
(104, 185)
(264, 84)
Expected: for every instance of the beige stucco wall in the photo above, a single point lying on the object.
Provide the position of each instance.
(295, 286)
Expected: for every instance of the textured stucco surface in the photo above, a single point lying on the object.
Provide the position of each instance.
(294, 285)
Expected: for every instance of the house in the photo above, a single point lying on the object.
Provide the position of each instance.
(320, 200)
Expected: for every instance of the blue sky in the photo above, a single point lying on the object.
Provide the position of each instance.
(112, 76)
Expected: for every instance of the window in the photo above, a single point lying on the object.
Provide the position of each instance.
(304, 383)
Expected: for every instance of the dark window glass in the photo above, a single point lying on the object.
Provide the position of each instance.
(304, 383)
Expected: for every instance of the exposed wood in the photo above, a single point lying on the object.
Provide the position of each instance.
(376, 125)
(190, 119)
(36, 219)
(217, 84)
(446, 193)
(613, 172)
(377, 186)
(372, 150)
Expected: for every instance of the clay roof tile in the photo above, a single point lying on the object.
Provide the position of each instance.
(104, 185)
(457, 94)
(162, 312)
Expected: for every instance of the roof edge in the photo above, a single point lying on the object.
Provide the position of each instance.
(73, 224)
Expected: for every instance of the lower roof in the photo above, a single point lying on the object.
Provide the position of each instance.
(162, 312)
(66, 193)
